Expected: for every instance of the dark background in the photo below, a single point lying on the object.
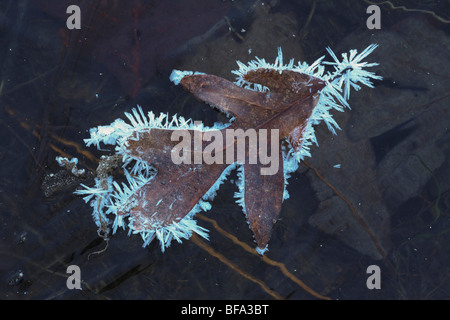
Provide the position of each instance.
(393, 149)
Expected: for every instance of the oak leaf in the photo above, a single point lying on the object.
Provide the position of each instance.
(277, 102)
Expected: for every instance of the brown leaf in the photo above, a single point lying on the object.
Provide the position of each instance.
(286, 107)
(273, 110)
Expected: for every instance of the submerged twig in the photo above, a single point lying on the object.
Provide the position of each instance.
(410, 10)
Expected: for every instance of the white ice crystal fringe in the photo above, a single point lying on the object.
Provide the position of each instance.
(211, 193)
(347, 74)
(115, 198)
(290, 164)
(98, 197)
(118, 198)
(119, 130)
(177, 75)
(62, 161)
(182, 229)
(240, 183)
(262, 251)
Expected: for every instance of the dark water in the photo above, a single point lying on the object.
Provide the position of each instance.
(387, 205)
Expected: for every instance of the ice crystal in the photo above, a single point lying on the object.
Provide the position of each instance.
(110, 198)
